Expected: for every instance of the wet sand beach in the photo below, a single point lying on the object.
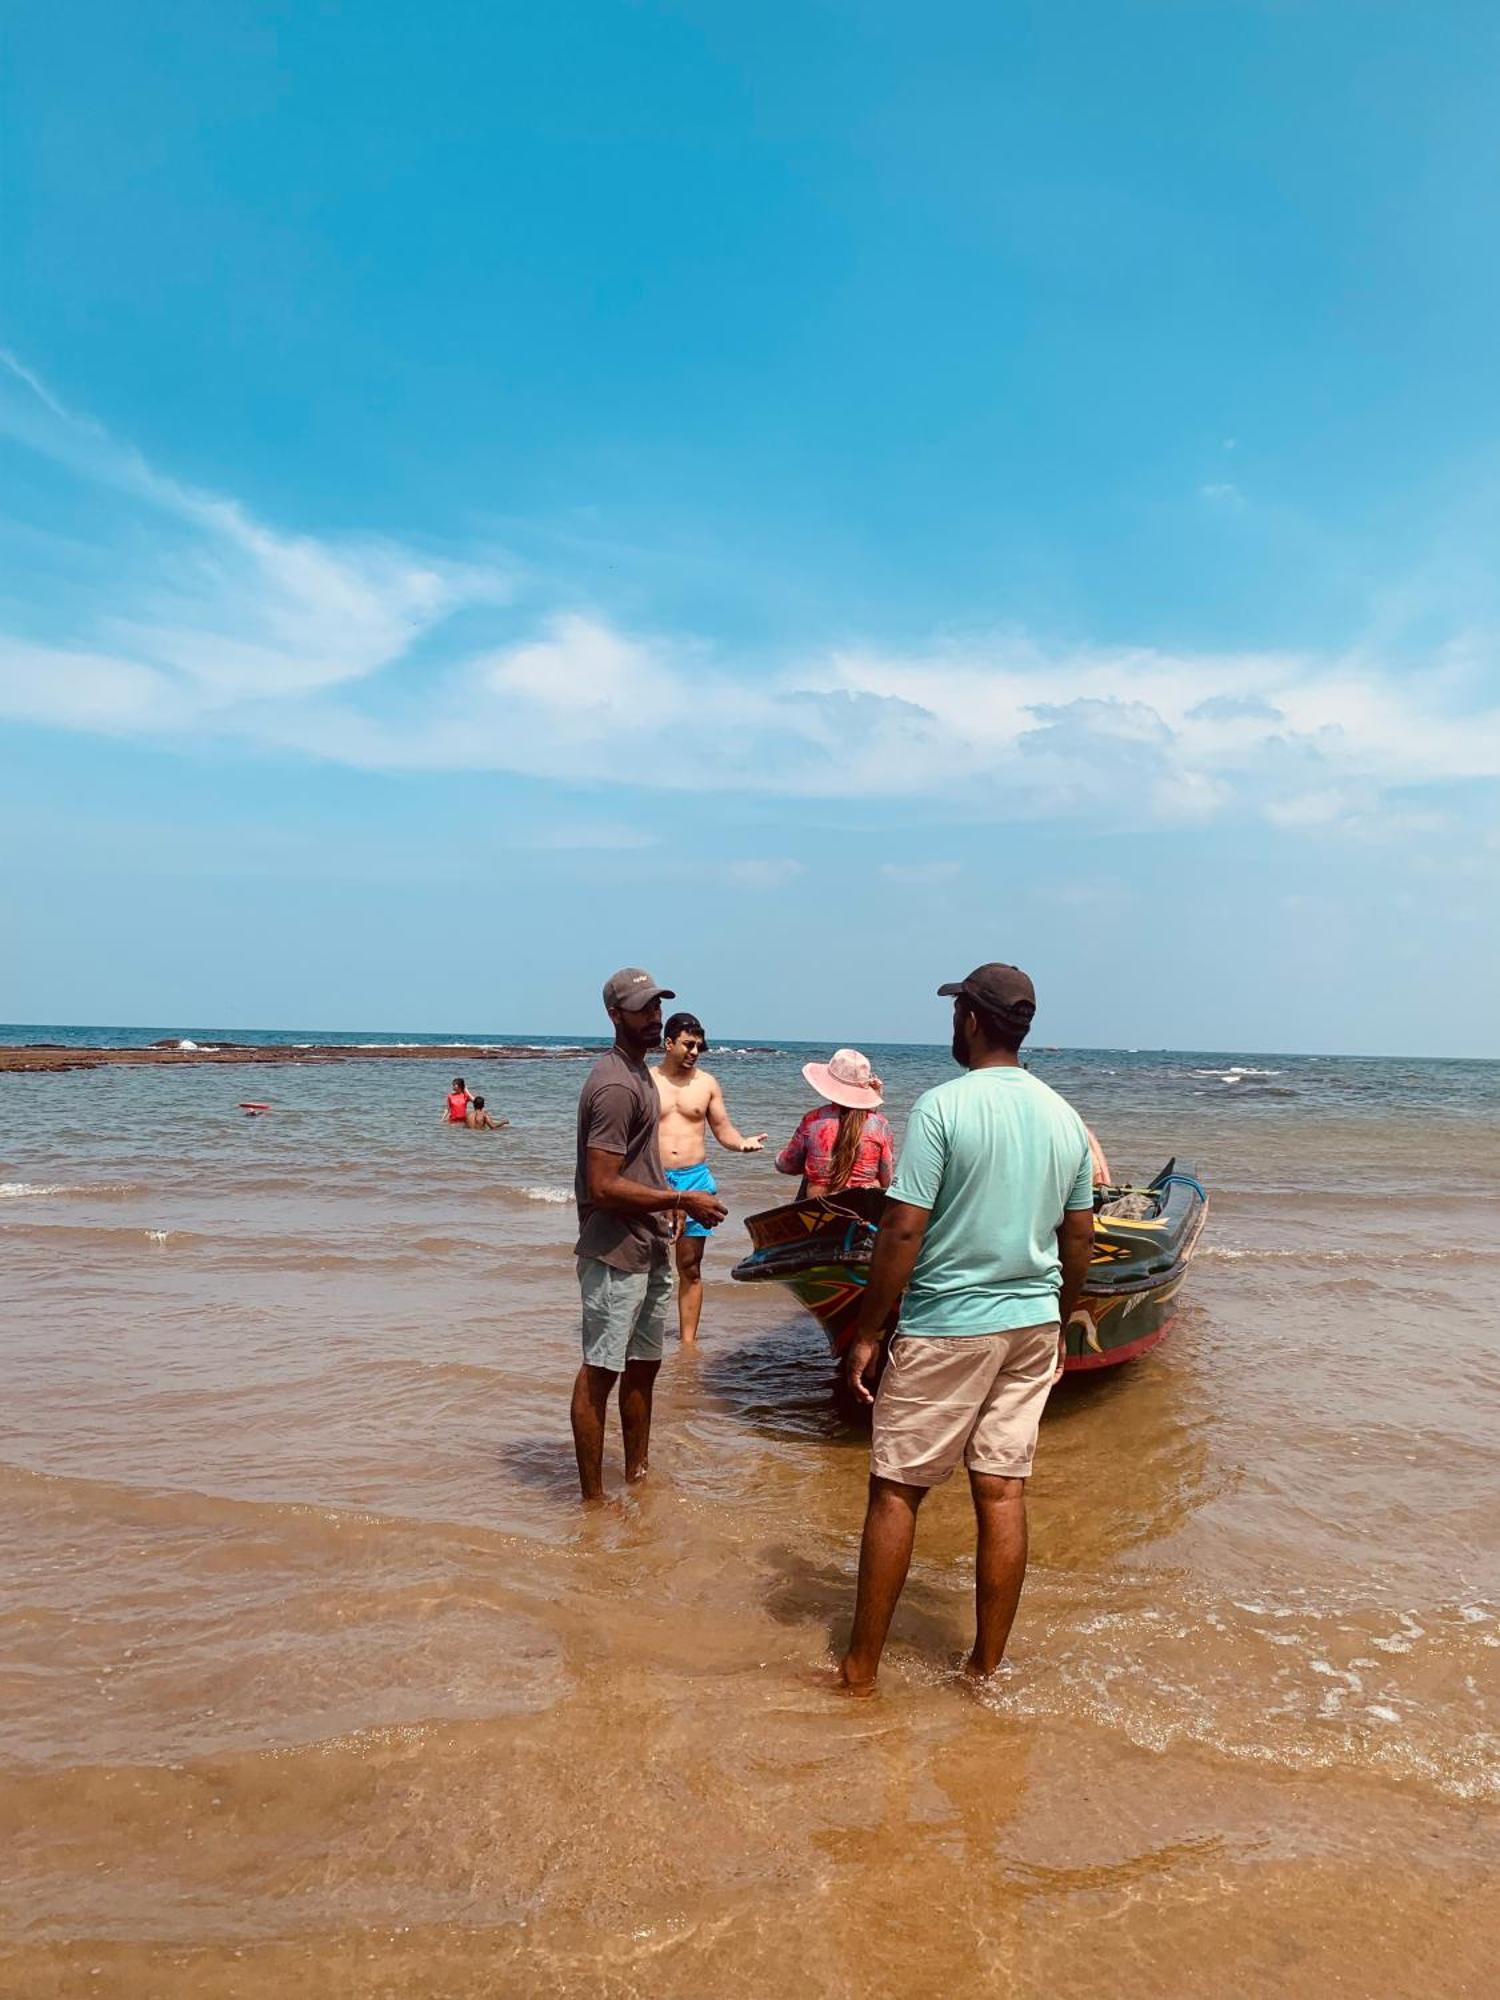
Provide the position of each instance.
(314, 1679)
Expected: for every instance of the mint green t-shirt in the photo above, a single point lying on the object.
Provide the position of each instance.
(996, 1156)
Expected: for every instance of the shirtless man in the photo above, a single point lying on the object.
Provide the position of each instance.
(479, 1120)
(692, 1104)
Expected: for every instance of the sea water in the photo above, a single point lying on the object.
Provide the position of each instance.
(314, 1678)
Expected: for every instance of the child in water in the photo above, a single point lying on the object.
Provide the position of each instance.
(479, 1120)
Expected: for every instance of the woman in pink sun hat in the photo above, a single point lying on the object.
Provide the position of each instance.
(844, 1141)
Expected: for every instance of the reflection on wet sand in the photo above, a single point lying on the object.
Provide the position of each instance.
(1123, 1454)
(779, 1383)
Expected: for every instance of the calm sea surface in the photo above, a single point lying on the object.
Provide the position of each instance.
(314, 1680)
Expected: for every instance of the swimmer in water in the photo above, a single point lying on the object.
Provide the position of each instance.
(456, 1110)
(479, 1120)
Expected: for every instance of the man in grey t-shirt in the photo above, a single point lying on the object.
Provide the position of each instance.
(627, 1216)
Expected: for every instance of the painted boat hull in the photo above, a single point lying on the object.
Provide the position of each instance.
(820, 1250)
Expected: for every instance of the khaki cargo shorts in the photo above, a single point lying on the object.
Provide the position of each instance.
(974, 1396)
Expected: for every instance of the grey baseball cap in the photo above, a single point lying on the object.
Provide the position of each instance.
(630, 989)
(999, 989)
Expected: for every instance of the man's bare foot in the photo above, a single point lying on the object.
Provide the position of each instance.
(972, 1670)
(849, 1683)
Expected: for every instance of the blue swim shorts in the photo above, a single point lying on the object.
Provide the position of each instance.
(693, 1180)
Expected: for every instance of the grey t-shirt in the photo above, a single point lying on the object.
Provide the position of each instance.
(617, 1113)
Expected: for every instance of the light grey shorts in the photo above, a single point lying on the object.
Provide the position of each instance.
(974, 1397)
(624, 1312)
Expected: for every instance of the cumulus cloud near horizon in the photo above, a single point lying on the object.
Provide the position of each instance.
(185, 617)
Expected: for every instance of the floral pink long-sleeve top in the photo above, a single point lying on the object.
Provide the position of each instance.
(809, 1151)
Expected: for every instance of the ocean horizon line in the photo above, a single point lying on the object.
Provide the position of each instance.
(13, 1032)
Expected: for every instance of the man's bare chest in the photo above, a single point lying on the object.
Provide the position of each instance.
(686, 1100)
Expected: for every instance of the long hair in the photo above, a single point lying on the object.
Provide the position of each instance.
(846, 1147)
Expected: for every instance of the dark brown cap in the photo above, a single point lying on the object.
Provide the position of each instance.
(630, 989)
(999, 989)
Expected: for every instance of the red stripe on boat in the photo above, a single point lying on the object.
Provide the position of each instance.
(1077, 1363)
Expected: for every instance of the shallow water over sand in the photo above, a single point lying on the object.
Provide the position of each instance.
(313, 1678)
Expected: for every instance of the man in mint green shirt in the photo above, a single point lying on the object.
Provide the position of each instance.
(987, 1231)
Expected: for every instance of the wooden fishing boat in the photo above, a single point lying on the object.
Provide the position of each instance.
(1144, 1239)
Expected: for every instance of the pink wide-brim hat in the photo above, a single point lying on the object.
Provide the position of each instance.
(846, 1078)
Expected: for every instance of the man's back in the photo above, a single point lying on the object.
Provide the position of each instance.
(996, 1157)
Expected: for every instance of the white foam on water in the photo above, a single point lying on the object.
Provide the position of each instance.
(37, 1190)
(1319, 1707)
(1236, 1073)
(547, 1194)
(1236, 1253)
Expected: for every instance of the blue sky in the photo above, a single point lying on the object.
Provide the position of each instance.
(803, 497)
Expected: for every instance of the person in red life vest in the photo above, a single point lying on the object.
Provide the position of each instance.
(457, 1109)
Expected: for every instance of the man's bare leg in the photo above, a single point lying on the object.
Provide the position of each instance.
(689, 1285)
(884, 1558)
(635, 1414)
(590, 1407)
(999, 1566)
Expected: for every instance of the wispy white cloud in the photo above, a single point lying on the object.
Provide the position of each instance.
(229, 612)
(78, 690)
(1321, 808)
(772, 873)
(353, 651)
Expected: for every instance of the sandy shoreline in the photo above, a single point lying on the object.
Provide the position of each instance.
(44, 1058)
(305, 1639)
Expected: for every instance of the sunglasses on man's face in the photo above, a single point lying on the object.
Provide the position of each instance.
(694, 1048)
